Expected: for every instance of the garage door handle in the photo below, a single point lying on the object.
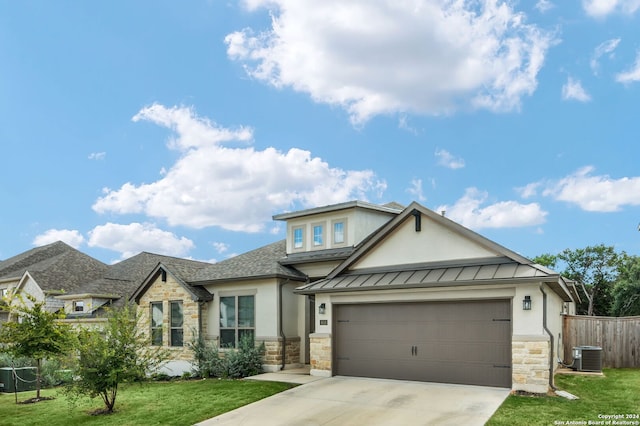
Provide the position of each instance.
(414, 350)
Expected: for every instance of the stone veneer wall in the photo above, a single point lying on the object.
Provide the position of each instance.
(320, 354)
(273, 352)
(530, 363)
(166, 292)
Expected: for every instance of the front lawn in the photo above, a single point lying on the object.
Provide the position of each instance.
(615, 394)
(154, 403)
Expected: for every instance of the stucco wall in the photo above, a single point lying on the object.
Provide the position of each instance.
(267, 327)
(266, 305)
(432, 244)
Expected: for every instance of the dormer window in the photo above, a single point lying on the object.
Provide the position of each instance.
(78, 306)
(338, 232)
(318, 237)
(298, 238)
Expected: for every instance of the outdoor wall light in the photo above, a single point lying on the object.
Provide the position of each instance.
(526, 303)
(322, 308)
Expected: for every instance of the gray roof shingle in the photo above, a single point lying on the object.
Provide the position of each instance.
(56, 267)
(258, 263)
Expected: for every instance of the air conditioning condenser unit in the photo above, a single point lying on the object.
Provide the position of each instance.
(587, 358)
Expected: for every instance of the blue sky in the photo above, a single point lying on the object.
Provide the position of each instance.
(181, 127)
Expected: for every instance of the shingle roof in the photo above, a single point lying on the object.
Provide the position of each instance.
(258, 263)
(56, 267)
(124, 278)
(16, 266)
(317, 256)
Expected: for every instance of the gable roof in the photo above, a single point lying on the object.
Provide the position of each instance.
(259, 263)
(197, 293)
(375, 238)
(126, 277)
(56, 267)
(506, 266)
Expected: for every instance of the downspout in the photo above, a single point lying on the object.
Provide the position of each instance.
(546, 329)
(281, 326)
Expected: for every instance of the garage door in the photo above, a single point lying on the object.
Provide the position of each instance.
(449, 342)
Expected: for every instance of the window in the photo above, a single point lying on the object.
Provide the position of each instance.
(237, 319)
(156, 323)
(338, 232)
(78, 306)
(176, 337)
(317, 235)
(298, 235)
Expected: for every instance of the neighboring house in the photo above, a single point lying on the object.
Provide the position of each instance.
(376, 291)
(81, 286)
(47, 272)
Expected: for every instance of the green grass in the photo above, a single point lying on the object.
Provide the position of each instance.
(617, 393)
(154, 403)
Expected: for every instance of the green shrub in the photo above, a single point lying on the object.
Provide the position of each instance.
(234, 364)
(55, 373)
(247, 360)
(206, 359)
(7, 360)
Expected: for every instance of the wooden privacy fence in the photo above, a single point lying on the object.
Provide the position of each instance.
(619, 338)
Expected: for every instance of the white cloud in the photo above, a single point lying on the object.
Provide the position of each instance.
(529, 190)
(602, 8)
(595, 193)
(446, 159)
(632, 75)
(236, 188)
(97, 156)
(505, 214)
(416, 190)
(72, 237)
(220, 247)
(544, 6)
(135, 237)
(604, 48)
(379, 57)
(573, 90)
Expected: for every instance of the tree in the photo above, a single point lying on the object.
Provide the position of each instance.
(597, 268)
(118, 353)
(626, 291)
(37, 334)
(547, 259)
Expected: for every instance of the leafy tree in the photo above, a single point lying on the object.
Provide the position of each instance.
(37, 334)
(548, 260)
(626, 291)
(118, 353)
(597, 268)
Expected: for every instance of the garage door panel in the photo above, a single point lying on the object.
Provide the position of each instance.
(452, 342)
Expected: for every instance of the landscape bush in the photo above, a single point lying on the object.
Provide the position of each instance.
(231, 364)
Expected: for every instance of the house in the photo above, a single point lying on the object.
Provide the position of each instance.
(68, 280)
(375, 291)
(47, 273)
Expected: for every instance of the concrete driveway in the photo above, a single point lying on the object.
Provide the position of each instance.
(343, 401)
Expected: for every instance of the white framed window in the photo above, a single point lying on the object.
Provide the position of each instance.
(339, 231)
(176, 320)
(78, 306)
(298, 237)
(318, 235)
(237, 319)
(156, 323)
